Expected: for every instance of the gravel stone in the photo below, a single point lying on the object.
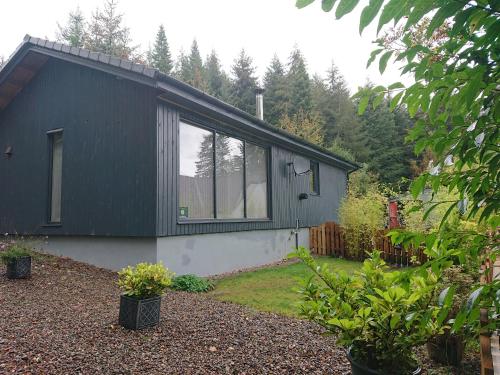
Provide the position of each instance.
(64, 320)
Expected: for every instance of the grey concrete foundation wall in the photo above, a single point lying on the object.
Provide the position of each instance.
(212, 254)
(112, 253)
(202, 254)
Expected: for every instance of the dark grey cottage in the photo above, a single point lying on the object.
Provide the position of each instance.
(118, 163)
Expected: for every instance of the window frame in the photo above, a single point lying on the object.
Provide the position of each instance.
(215, 131)
(50, 146)
(315, 192)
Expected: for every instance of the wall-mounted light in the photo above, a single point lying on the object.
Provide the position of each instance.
(8, 152)
(303, 196)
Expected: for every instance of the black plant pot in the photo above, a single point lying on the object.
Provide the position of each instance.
(19, 268)
(358, 368)
(446, 349)
(138, 313)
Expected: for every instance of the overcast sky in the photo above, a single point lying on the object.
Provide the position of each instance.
(262, 27)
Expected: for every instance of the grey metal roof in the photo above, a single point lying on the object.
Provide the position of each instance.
(153, 77)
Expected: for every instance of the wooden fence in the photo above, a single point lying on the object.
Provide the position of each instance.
(330, 239)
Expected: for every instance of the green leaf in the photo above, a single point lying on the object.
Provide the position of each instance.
(378, 100)
(417, 186)
(471, 301)
(382, 64)
(437, 69)
(446, 296)
(345, 7)
(396, 85)
(369, 13)
(448, 212)
(459, 321)
(303, 3)
(442, 14)
(421, 8)
(327, 5)
(395, 100)
(395, 320)
(373, 54)
(429, 211)
(390, 11)
(472, 89)
(363, 103)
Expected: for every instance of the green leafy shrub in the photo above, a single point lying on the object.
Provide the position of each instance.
(362, 213)
(145, 280)
(191, 283)
(14, 250)
(381, 316)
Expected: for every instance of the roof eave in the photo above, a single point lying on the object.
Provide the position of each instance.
(179, 90)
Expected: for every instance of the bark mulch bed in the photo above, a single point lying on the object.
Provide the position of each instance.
(64, 320)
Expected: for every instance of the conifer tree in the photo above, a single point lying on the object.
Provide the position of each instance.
(342, 126)
(243, 84)
(196, 71)
(205, 162)
(106, 32)
(387, 154)
(275, 97)
(182, 69)
(305, 125)
(74, 32)
(160, 57)
(298, 84)
(217, 80)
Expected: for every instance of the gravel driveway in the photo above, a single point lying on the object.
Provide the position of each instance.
(64, 321)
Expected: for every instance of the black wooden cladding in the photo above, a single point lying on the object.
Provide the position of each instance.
(109, 163)
(285, 186)
(120, 162)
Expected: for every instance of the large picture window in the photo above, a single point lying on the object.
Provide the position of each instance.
(221, 177)
(196, 173)
(229, 177)
(256, 181)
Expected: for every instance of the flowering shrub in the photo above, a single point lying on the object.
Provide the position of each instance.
(145, 280)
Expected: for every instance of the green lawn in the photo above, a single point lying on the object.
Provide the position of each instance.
(274, 288)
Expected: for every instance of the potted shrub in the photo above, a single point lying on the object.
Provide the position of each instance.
(448, 348)
(17, 258)
(143, 286)
(377, 315)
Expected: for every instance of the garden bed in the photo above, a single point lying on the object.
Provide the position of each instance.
(65, 320)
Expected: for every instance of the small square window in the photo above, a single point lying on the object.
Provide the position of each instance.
(314, 178)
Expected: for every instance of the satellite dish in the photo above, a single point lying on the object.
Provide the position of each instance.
(301, 165)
